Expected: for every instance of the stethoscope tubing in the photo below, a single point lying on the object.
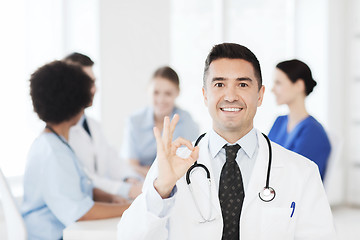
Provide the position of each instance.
(270, 160)
(267, 183)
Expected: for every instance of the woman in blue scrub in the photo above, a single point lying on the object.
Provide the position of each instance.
(139, 144)
(298, 131)
(57, 192)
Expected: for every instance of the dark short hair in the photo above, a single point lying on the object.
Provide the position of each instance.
(59, 91)
(295, 70)
(168, 73)
(233, 51)
(79, 58)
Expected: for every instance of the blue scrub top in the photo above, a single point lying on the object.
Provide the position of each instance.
(139, 140)
(56, 190)
(308, 138)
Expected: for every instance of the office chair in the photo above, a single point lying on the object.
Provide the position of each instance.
(15, 225)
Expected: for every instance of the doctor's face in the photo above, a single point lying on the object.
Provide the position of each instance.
(232, 95)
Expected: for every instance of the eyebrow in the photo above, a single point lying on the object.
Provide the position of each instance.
(237, 79)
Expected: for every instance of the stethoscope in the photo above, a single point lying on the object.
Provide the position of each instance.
(266, 195)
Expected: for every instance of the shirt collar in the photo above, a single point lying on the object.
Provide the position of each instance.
(248, 143)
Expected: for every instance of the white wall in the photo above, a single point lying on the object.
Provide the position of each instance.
(311, 41)
(337, 81)
(81, 34)
(134, 41)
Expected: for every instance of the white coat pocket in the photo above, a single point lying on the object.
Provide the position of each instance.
(275, 223)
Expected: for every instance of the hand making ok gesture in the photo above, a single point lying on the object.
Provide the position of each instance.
(171, 167)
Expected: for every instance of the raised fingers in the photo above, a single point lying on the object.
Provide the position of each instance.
(159, 143)
(173, 123)
(166, 132)
(194, 155)
(179, 142)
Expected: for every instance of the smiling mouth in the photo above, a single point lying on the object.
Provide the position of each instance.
(232, 109)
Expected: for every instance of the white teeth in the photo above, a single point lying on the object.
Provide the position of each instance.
(231, 109)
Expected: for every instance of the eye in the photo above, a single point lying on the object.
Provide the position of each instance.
(219, 84)
(243, 85)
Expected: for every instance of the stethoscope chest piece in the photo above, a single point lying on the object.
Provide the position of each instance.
(267, 194)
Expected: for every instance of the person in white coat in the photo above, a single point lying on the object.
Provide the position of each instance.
(233, 203)
(100, 159)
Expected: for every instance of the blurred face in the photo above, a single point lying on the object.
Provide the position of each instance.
(164, 92)
(89, 71)
(232, 95)
(284, 89)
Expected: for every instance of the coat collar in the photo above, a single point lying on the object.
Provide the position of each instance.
(258, 177)
(205, 159)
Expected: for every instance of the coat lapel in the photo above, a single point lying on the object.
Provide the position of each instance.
(205, 159)
(258, 177)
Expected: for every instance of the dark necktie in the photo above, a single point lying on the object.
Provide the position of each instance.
(231, 194)
(86, 127)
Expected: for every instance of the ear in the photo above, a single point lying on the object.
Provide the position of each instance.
(205, 96)
(300, 85)
(261, 95)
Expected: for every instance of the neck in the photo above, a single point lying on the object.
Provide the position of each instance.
(297, 112)
(160, 118)
(232, 136)
(62, 129)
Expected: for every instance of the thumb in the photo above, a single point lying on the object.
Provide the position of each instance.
(194, 155)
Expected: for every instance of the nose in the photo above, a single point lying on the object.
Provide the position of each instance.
(231, 94)
(93, 89)
(273, 88)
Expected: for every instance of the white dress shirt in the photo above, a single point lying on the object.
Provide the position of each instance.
(245, 158)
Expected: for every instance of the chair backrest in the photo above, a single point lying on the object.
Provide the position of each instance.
(15, 225)
(334, 176)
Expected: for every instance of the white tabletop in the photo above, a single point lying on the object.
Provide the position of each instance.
(93, 229)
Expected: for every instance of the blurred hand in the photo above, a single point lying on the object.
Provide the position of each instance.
(132, 180)
(119, 200)
(171, 167)
(135, 190)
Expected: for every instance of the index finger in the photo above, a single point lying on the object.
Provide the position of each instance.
(158, 139)
(173, 124)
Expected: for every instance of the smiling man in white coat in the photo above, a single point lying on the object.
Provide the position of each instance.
(223, 197)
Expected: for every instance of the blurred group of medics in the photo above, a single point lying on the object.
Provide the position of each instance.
(74, 174)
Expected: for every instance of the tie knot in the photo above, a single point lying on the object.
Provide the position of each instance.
(231, 151)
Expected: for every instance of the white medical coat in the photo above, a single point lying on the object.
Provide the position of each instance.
(294, 178)
(95, 150)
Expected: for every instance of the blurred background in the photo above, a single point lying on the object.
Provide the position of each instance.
(128, 40)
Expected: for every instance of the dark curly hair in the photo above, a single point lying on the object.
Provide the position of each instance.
(295, 70)
(59, 91)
